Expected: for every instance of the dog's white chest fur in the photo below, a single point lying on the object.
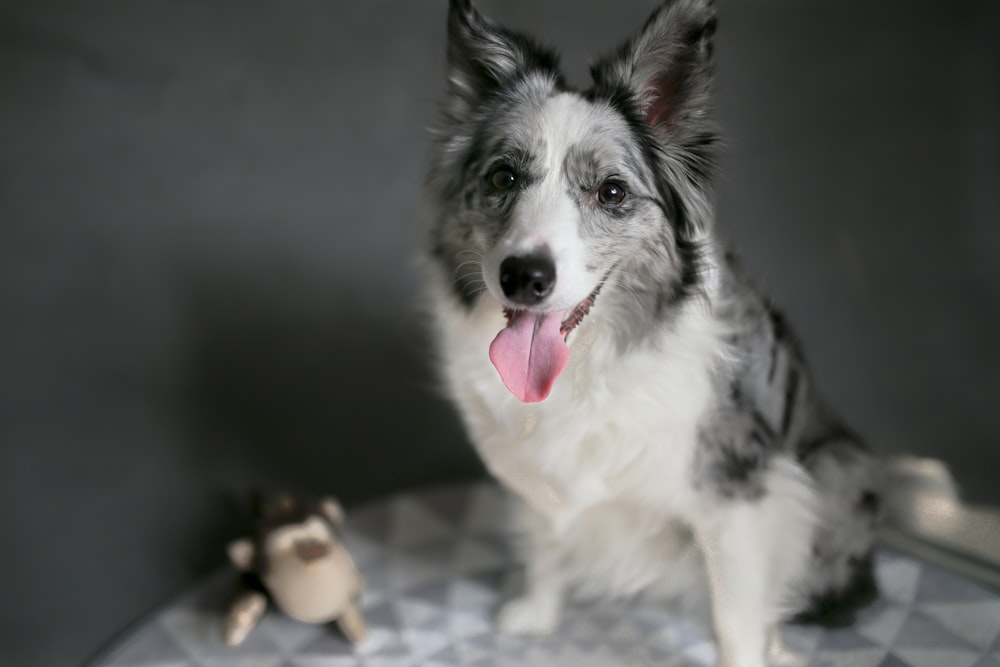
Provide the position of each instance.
(692, 441)
(618, 428)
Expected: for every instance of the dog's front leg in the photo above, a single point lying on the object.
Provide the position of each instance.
(537, 610)
(735, 549)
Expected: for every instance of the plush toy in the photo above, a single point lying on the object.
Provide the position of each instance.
(296, 557)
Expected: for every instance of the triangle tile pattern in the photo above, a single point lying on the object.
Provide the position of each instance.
(923, 632)
(973, 621)
(438, 563)
(883, 624)
(933, 657)
(151, 644)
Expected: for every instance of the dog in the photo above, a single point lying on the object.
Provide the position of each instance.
(611, 364)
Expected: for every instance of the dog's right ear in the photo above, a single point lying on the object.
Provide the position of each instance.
(483, 58)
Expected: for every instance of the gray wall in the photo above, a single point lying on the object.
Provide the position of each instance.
(206, 230)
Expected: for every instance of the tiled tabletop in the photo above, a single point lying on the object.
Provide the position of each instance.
(437, 563)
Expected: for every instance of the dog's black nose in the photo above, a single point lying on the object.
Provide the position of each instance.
(529, 279)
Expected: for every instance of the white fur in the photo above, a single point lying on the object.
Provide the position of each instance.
(605, 464)
(604, 468)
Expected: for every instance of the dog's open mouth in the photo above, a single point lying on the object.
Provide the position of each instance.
(531, 352)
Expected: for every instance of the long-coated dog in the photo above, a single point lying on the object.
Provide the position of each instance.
(612, 367)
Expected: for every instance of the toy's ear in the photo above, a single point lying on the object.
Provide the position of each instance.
(332, 510)
(241, 553)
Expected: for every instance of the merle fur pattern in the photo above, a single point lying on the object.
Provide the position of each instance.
(650, 126)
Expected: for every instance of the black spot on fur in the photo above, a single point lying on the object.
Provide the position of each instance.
(762, 428)
(791, 394)
(693, 264)
(735, 392)
(733, 456)
(736, 472)
(839, 607)
(870, 502)
(782, 334)
(773, 366)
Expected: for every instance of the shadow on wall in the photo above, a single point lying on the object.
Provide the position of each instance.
(317, 389)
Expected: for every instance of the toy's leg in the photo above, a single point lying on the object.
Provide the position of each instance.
(352, 624)
(243, 617)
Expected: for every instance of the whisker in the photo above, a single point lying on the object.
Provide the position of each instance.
(628, 290)
(473, 262)
(472, 280)
(471, 274)
(473, 290)
(474, 253)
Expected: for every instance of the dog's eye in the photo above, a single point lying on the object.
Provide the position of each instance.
(503, 178)
(611, 193)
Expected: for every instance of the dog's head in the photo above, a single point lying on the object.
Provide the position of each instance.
(544, 196)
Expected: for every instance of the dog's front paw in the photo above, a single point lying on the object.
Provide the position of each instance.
(529, 616)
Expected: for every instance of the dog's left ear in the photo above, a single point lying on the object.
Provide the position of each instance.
(483, 58)
(667, 67)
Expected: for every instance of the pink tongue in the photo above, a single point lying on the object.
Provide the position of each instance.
(530, 354)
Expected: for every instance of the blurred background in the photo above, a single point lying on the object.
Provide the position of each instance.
(206, 240)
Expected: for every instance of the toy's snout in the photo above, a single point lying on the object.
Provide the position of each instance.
(310, 550)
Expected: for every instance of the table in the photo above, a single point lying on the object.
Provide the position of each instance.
(438, 562)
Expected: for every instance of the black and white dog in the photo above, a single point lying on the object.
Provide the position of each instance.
(611, 365)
